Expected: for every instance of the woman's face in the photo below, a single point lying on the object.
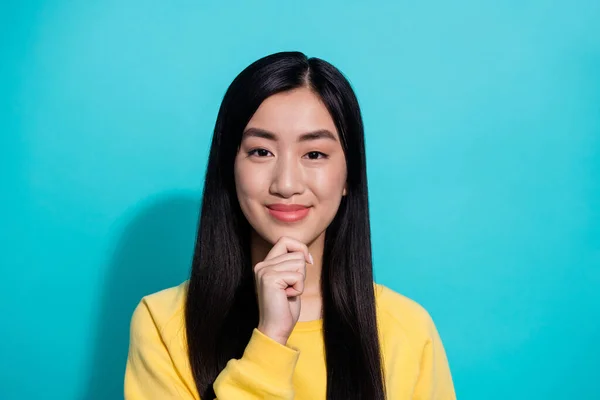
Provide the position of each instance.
(290, 171)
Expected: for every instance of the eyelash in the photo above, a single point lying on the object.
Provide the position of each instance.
(255, 151)
(320, 155)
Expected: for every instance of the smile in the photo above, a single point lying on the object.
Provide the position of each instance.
(288, 212)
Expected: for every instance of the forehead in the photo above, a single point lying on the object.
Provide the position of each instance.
(293, 113)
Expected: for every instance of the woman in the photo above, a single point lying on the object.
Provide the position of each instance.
(281, 302)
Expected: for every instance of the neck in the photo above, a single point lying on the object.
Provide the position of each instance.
(312, 285)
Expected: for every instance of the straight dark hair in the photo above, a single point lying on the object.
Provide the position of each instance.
(221, 306)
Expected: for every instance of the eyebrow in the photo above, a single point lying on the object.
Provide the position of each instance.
(305, 137)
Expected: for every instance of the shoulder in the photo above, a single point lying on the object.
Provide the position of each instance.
(158, 361)
(400, 315)
(400, 308)
(411, 348)
(161, 313)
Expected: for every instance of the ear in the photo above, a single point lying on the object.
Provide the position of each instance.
(345, 191)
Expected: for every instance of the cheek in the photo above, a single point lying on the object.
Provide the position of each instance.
(248, 183)
(328, 184)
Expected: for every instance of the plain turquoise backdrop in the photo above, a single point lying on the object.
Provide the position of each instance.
(483, 144)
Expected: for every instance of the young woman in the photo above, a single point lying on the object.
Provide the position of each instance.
(281, 302)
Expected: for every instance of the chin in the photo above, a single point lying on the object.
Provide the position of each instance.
(299, 233)
(272, 234)
(277, 234)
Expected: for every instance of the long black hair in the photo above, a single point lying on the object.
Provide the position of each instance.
(221, 307)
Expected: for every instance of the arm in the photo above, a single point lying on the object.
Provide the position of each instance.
(150, 372)
(264, 372)
(434, 381)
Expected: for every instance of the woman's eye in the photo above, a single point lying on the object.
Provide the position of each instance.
(259, 152)
(315, 155)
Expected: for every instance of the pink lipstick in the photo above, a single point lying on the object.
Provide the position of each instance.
(288, 212)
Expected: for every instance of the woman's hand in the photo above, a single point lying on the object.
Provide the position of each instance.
(279, 283)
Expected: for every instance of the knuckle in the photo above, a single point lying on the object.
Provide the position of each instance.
(267, 276)
(258, 267)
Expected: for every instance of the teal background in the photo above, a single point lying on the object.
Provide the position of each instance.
(483, 132)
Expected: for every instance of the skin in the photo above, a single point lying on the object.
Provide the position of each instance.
(290, 154)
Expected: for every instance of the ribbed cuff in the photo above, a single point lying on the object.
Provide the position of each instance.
(272, 360)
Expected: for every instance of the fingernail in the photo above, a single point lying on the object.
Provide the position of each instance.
(310, 257)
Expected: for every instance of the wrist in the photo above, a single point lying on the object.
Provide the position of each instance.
(278, 337)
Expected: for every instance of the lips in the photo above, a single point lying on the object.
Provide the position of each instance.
(288, 212)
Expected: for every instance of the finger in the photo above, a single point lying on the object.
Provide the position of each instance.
(292, 292)
(287, 245)
(284, 280)
(290, 265)
(296, 255)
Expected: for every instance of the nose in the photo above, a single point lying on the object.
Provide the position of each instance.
(287, 178)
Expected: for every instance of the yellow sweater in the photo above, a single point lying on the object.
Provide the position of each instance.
(414, 359)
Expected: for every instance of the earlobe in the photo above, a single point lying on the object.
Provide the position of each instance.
(344, 192)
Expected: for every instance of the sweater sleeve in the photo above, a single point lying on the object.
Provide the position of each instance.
(263, 372)
(435, 380)
(150, 372)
